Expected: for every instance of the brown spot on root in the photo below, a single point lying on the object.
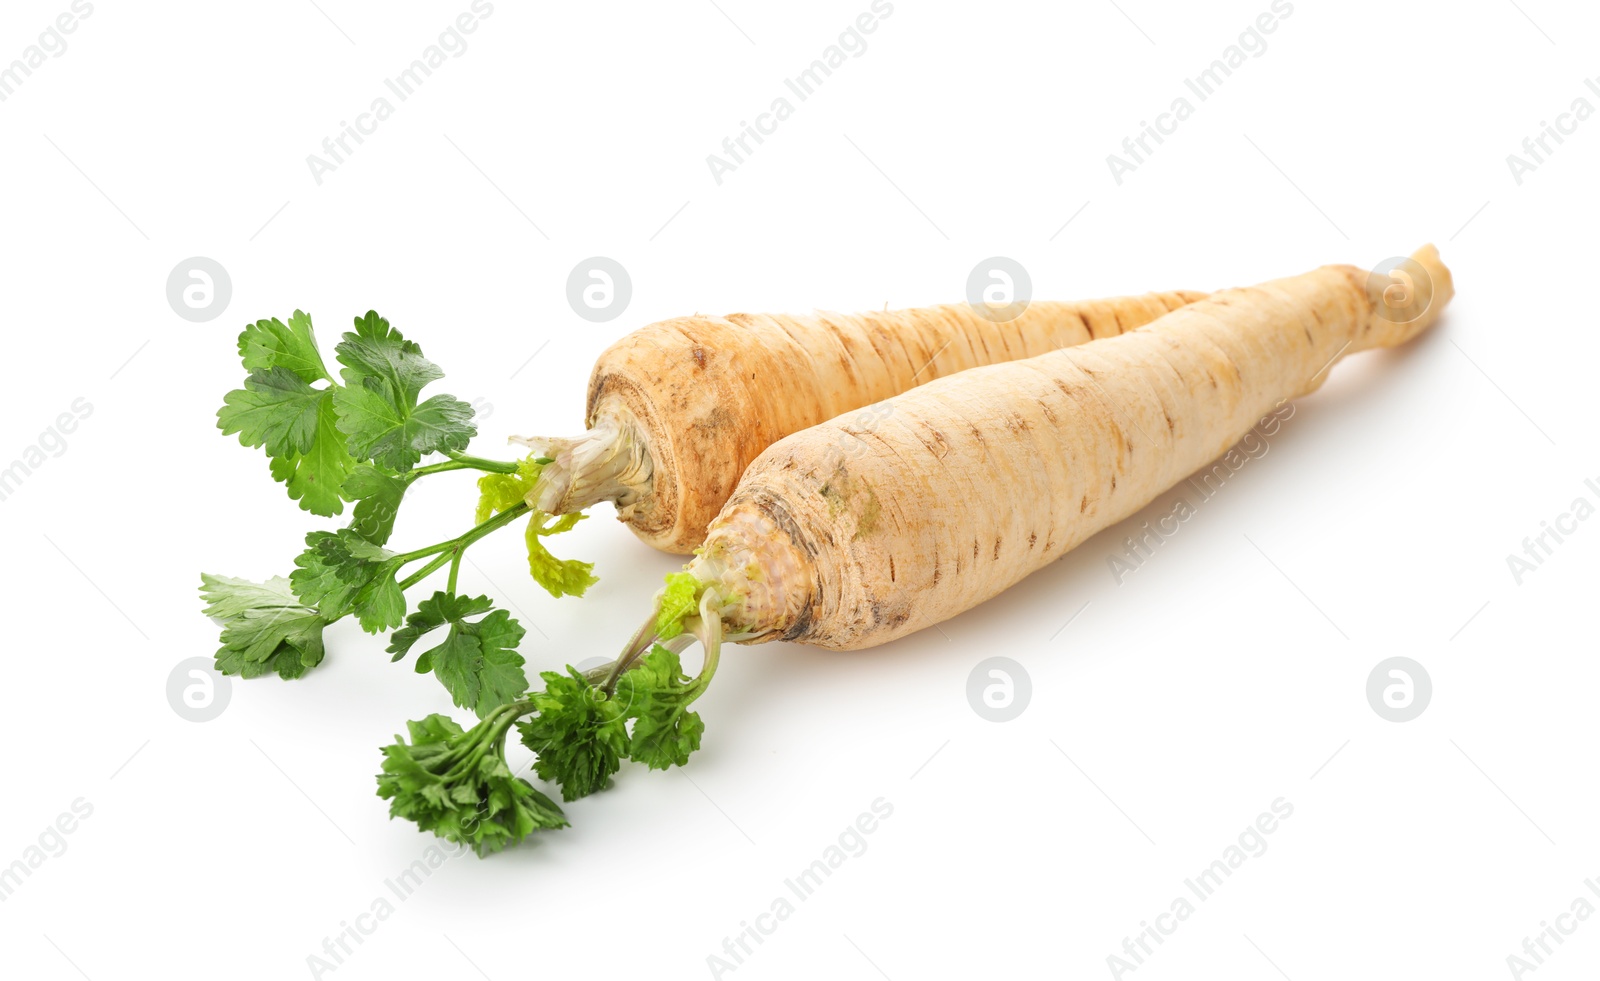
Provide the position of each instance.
(802, 623)
(1113, 483)
(1171, 428)
(1083, 505)
(997, 549)
(974, 549)
(1032, 537)
(891, 568)
(699, 356)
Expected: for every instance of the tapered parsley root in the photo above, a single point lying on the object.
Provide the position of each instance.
(969, 483)
(678, 409)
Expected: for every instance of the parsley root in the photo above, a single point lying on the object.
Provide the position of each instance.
(678, 409)
(974, 481)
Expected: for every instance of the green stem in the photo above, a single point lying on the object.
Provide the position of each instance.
(495, 726)
(425, 571)
(437, 468)
(467, 538)
(455, 568)
(483, 463)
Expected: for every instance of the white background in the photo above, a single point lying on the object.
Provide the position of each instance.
(1227, 672)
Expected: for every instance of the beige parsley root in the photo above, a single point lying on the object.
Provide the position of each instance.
(678, 409)
(970, 482)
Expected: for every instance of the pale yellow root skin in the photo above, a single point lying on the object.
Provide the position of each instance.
(699, 398)
(969, 483)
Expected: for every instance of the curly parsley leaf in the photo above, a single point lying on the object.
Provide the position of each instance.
(265, 629)
(579, 734)
(457, 784)
(384, 375)
(657, 694)
(340, 572)
(477, 662)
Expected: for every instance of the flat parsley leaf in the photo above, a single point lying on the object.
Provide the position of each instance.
(579, 734)
(477, 662)
(264, 628)
(457, 784)
(340, 572)
(657, 695)
(377, 494)
(267, 344)
(377, 406)
(279, 410)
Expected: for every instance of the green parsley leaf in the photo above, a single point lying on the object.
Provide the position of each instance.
(268, 344)
(579, 734)
(477, 662)
(457, 784)
(313, 478)
(276, 409)
(377, 494)
(264, 628)
(279, 410)
(340, 572)
(377, 406)
(657, 694)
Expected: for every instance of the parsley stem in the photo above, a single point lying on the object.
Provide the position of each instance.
(425, 571)
(482, 463)
(487, 736)
(468, 537)
(455, 568)
(438, 468)
(462, 461)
